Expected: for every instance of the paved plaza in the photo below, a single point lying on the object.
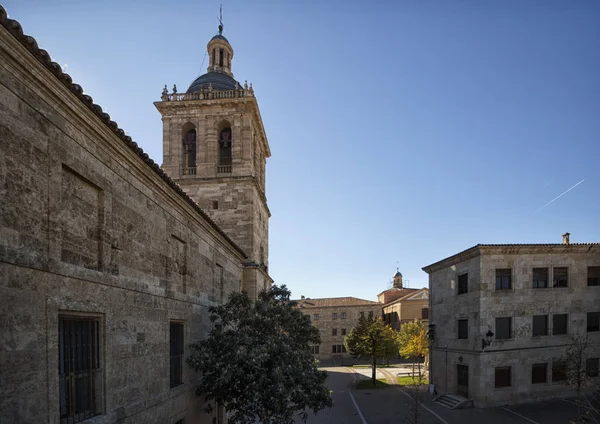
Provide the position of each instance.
(394, 405)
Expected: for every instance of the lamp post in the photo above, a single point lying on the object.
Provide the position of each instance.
(487, 340)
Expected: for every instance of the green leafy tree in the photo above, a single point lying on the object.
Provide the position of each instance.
(413, 341)
(414, 344)
(257, 364)
(371, 339)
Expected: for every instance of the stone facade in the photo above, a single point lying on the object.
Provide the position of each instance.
(414, 305)
(490, 293)
(231, 192)
(334, 317)
(93, 231)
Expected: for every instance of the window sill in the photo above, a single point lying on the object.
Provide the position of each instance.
(503, 389)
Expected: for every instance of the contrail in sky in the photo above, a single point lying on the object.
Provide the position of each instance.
(560, 195)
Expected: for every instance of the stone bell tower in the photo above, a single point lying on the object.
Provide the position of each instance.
(215, 147)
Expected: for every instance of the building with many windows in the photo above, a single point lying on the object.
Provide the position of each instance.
(334, 317)
(502, 317)
(107, 265)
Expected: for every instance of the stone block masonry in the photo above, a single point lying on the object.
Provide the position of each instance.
(94, 234)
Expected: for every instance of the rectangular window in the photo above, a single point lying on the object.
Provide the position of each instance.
(343, 315)
(221, 283)
(539, 373)
(315, 317)
(370, 314)
(560, 277)
(540, 278)
(559, 324)
(503, 279)
(176, 342)
(591, 367)
(463, 283)
(593, 278)
(558, 370)
(334, 315)
(540, 325)
(343, 331)
(80, 382)
(362, 314)
(502, 377)
(314, 349)
(593, 322)
(339, 348)
(503, 328)
(334, 331)
(425, 313)
(463, 328)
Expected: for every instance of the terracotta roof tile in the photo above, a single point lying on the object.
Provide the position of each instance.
(15, 29)
(334, 302)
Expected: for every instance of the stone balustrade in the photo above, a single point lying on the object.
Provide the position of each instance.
(207, 94)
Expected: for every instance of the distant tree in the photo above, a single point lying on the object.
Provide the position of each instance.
(414, 344)
(588, 397)
(413, 341)
(257, 363)
(371, 339)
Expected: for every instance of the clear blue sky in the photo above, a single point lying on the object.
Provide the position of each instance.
(401, 131)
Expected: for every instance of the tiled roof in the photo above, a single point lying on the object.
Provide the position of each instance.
(405, 297)
(476, 250)
(15, 29)
(333, 302)
(396, 289)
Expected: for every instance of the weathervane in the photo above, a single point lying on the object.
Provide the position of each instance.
(221, 20)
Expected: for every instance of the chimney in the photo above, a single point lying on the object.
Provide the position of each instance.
(566, 238)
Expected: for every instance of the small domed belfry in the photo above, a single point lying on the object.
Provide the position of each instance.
(215, 147)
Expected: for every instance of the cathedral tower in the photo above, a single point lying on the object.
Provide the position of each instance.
(215, 147)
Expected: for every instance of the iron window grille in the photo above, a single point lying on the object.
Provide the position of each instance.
(79, 369)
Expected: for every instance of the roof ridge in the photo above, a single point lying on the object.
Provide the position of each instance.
(16, 30)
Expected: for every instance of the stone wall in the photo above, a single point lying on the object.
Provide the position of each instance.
(88, 228)
(484, 303)
(325, 324)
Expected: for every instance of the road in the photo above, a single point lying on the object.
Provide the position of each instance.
(379, 406)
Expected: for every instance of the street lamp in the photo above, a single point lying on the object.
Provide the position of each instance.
(487, 341)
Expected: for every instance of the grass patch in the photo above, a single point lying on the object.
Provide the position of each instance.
(368, 384)
(409, 381)
(369, 366)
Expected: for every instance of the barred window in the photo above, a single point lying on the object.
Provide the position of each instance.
(80, 382)
(503, 279)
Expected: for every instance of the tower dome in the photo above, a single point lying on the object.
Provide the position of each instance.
(218, 75)
(398, 279)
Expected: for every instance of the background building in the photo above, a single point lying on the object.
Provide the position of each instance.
(335, 317)
(527, 300)
(107, 267)
(414, 305)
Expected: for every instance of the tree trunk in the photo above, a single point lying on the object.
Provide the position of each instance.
(374, 371)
